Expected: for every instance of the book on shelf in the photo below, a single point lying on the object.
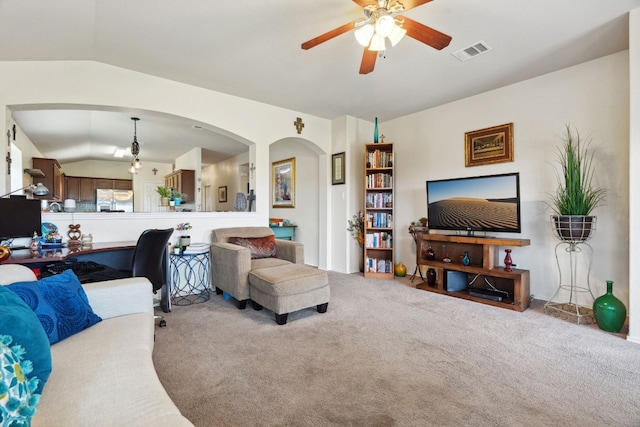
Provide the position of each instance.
(375, 265)
(379, 159)
(379, 180)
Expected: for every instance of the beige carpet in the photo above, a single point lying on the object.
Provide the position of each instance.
(386, 354)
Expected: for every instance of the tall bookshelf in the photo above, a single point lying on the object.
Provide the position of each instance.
(378, 211)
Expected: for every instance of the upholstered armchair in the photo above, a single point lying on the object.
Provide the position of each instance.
(232, 263)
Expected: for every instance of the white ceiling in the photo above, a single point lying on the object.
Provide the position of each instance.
(252, 49)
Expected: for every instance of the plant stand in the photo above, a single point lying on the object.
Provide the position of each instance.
(415, 231)
(571, 309)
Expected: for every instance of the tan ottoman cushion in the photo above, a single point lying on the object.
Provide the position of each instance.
(288, 279)
(288, 288)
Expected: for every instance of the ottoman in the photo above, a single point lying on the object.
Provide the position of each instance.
(287, 288)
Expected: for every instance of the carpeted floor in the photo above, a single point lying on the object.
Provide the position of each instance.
(386, 354)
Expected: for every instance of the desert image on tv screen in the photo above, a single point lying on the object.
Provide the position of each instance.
(483, 203)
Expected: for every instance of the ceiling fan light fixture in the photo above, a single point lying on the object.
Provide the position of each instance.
(136, 163)
(396, 35)
(385, 25)
(132, 169)
(377, 43)
(364, 34)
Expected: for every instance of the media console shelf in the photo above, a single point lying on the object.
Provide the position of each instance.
(483, 267)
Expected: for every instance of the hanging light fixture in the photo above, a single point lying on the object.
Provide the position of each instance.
(135, 148)
(379, 25)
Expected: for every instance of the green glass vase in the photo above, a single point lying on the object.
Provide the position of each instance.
(609, 311)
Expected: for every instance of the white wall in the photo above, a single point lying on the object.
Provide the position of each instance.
(306, 212)
(349, 135)
(592, 97)
(98, 169)
(634, 176)
(226, 173)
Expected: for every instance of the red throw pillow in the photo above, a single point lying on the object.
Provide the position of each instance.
(260, 247)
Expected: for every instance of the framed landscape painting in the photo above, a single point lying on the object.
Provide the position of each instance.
(490, 145)
(283, 183)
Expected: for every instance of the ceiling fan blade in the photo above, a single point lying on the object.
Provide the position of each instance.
(426, 35)
(329, 35)
(408, 4)
(368, 61)
(363, 3)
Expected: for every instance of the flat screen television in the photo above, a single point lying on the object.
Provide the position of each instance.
(488, 203)
(19, 217)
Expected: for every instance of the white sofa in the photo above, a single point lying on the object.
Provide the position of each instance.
(104, 375)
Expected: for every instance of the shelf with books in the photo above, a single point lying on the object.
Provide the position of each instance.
(378, 195)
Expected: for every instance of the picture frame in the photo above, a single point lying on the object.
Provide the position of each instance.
(222, 194)
(283, 183)
(489, 145)
(337, 169)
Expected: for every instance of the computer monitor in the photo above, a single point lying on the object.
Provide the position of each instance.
(19, 217)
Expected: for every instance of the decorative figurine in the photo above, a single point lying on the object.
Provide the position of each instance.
(465, 258)
(507, 260)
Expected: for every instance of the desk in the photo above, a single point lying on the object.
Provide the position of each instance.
(286, 232)
(114, 254)
(190, 277)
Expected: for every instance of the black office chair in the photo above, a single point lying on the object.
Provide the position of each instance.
(150, 260)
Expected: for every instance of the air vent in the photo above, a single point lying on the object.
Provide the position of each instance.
(472, 51)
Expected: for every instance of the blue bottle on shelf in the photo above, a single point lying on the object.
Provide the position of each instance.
(375, 131)
(465, 258)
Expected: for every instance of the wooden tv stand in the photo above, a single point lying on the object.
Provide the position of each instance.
(483, 266)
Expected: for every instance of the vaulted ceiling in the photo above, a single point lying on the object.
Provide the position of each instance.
(252, 49)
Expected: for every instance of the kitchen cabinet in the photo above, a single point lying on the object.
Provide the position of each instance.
(81, 189)
(122, 184)
(52, 179)
(183, 181)
(113, 184)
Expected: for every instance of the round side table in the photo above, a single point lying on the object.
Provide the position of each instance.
(190, 277)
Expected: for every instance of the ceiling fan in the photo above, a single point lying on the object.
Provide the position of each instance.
(381, 22)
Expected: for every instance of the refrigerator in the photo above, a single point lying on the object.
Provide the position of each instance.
(108, 200)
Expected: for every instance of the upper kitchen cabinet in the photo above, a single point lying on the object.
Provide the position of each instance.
(52, 178)
(81, 189)
(114, 184)
(183, 181)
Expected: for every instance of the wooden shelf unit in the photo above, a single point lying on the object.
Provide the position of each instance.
(484, 257)
(378, 211)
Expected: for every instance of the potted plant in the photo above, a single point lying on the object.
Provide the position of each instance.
(165, 194)
(576, 196)
(177, 196)
(185, 238)
(356, 227)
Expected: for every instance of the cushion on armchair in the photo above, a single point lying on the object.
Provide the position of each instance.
(260, 247)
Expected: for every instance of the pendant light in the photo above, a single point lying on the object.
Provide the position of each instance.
(135, 148)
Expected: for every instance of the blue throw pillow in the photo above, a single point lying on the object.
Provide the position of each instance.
(20, 322)
(60, 303)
